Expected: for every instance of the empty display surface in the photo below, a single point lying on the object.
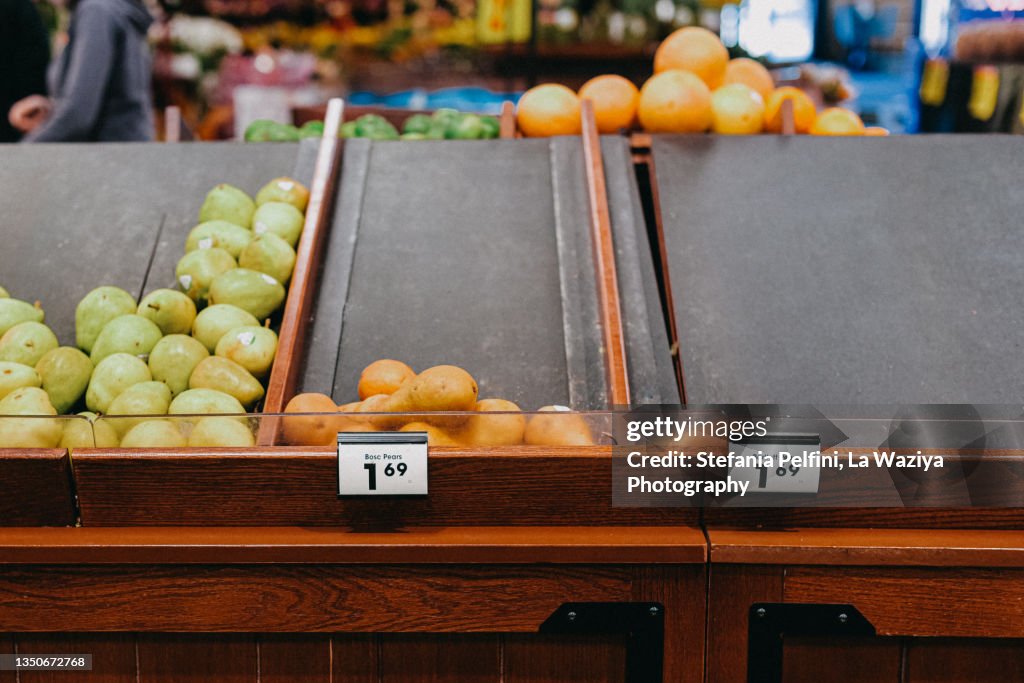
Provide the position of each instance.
(846, 271)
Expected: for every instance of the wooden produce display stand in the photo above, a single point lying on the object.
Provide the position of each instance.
(830, 272)
(245, 565)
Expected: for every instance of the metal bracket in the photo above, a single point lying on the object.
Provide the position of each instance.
(643, 624)
(770, 622)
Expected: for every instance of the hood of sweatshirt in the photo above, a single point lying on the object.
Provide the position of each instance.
(133, 12)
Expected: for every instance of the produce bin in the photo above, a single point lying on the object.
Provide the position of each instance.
(813, 272)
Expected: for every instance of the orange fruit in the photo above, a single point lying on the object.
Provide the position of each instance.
(876, 131)
(837, 121)
(548, 109)
(804, 111)
(750, 73)
(383, 377)
(693, 49)
(675, 102)
(736, 110)
(318, 429)
(614, 99)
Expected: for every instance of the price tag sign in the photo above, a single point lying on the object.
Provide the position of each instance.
(382, 464)
(783, 461)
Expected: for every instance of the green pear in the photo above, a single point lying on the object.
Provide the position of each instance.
(214, 322)
(174, 358)
(88, 433)
(269, 254)
(14, 312)
(173, 312)
(26, 343)
(253, 347)
(284, 190)
(226, 376)
(4, 294)
(197, 269)
(205, 402)
(132, 334)
(98, 308)
(257, 293)
(65, 373)
(220, 432)
(228, 236)
(154, 434)
(284, 220)
(113, 375)
(144, 398)
(29, 431)
(227, 203)
(16, 376)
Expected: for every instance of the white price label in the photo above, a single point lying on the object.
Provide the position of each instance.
(382, 464)
(781, 464)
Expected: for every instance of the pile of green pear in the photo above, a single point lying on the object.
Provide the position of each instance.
(203, 350)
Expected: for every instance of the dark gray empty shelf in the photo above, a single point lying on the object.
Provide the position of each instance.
(476, 254)
(846, 271)
(79, 216)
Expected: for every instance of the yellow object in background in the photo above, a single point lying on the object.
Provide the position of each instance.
(984, 92)
(934, 81)
(503, 21)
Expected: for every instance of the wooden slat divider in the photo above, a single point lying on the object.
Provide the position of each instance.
(303, 284)
(508, 120)
(604, 259)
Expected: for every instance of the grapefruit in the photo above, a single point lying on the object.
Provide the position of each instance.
(804, 111)
(750, 73)
(547, 110)
(693, 49)
(614, 99)
(675, 102)
(736, 110)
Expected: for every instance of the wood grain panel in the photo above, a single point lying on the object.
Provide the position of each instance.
(300, 545)
(298, 599)
(440, 658)
(920, 602)
(562, 659)
(113, 656)
(174, 658)
(301, 658)
(964, 661)
(682, 590)
(889, 518)
(852, 660)
(7, 648)
(870, 547)
(355, 658)
(519, 486)
(733, 589)
(37, 488)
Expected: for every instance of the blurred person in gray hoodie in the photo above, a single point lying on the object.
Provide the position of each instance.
(101, 82)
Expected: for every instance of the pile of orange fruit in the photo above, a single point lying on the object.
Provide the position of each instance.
(695, 88)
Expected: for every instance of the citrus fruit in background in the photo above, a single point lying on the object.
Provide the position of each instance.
(693, 49)
(804, 111)
(876, 131)
(837, 121)
(750, 73)
(675, 102)
(736, 110)
(548, 109)
(615, 100)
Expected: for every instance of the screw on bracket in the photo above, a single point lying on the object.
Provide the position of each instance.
(761, 612)
(843, 618)
(571, 616)
(654, 611)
